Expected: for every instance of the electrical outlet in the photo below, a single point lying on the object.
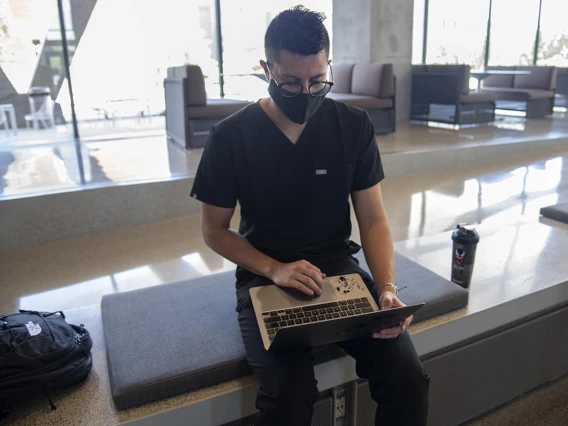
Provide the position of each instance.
(340, 407)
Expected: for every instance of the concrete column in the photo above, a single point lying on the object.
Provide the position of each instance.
(351, 31)
(367, 31)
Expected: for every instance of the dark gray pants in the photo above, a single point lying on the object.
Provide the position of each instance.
(287, 386)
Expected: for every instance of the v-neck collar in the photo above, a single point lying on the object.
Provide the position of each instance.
(283, 136)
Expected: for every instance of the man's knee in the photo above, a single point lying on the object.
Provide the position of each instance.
(397, 369)
(405, 377)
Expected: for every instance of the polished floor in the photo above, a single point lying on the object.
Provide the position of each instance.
(545, 406)
(40, 162)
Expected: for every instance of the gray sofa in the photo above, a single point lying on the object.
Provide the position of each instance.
(371, 87)
(532, 93)
(189, 114)
(440, 93)
(561, 98)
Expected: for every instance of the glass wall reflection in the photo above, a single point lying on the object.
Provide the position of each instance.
(32, 71)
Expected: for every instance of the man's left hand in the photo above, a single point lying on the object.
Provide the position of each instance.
(388, 300)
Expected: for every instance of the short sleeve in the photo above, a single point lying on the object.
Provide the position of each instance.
(216, 182)
(369, 167)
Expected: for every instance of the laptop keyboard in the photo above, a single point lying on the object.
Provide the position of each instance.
(275, 320)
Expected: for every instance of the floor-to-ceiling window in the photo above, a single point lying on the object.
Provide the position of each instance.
(118, 55)
(513, 32)
(553, 40)
(456, 32)
(119, 52)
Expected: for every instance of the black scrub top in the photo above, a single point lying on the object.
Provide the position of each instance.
(293, 197)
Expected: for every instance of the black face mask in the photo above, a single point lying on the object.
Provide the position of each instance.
(298, 109)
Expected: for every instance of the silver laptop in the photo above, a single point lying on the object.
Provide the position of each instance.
(345, 310)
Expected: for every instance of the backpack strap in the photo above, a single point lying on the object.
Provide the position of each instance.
(46, 391)
(53, 313)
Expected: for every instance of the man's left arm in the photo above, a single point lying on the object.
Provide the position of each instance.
(378, 248)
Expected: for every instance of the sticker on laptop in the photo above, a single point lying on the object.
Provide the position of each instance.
(345, 285)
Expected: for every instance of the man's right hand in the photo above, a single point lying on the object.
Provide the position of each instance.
(301, 275)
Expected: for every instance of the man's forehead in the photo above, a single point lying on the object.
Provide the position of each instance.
(300, 65)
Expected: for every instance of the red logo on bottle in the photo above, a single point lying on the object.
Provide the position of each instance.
(460, 256)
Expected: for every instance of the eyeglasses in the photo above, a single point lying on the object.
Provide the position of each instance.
(316, 89)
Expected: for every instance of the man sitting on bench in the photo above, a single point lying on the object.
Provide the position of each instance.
(291, 161)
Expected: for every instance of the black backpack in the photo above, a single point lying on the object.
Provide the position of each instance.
(40, 351)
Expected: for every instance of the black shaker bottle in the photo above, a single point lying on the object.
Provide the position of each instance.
(463, 254)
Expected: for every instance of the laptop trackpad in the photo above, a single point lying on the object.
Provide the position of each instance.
(297, 297)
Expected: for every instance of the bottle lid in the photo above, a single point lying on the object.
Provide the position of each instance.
(464, 234)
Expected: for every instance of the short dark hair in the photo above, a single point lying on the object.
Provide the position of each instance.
(298, 30)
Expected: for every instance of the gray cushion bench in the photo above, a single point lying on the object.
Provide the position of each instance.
(174, 338)
(557, 212)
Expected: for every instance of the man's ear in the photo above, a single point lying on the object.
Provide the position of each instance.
(264, 66)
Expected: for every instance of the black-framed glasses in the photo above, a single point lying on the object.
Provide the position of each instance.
(316, 89)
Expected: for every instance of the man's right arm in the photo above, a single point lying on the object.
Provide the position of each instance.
(217, 232)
